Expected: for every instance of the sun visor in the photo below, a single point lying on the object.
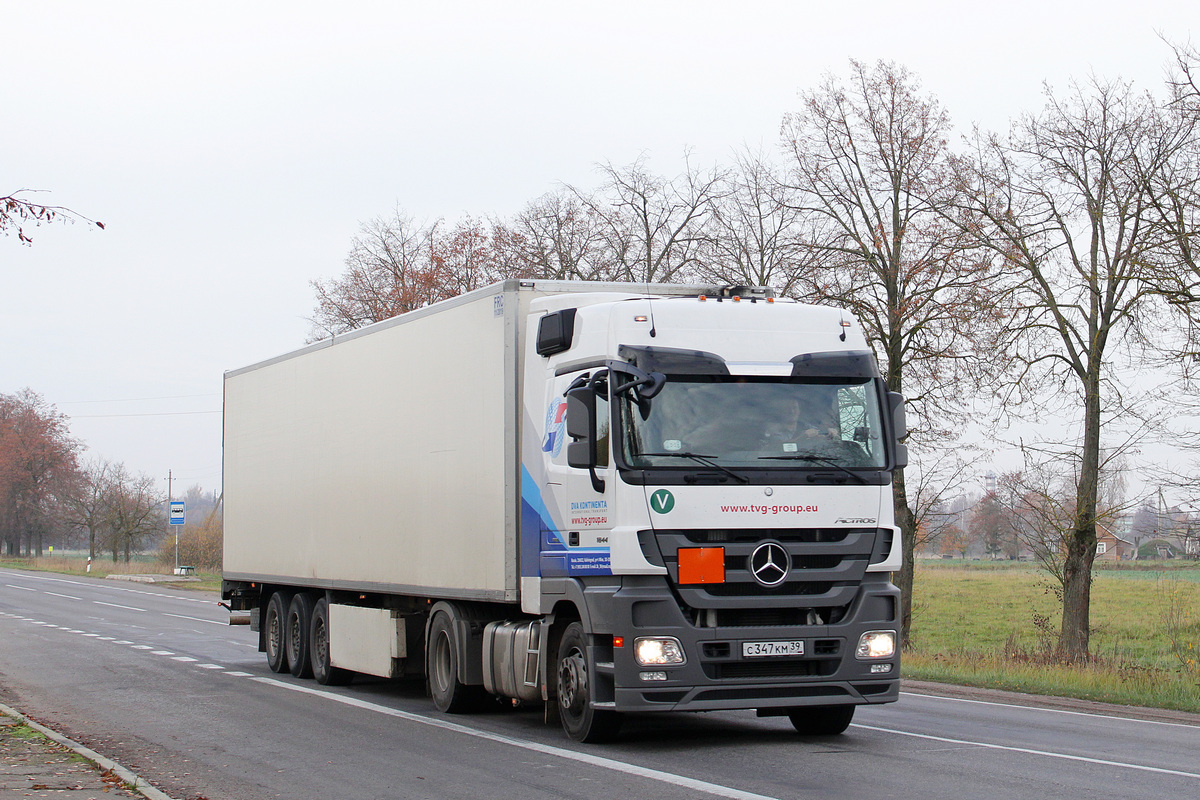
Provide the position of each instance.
(835, 364)
(671, 361)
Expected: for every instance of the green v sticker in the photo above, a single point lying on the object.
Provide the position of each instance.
(662, 501)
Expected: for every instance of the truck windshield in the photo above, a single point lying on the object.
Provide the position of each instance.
(766, 423)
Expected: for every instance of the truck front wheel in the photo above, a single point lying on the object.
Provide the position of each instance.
(822, 720)
(274, 632)
(580, 720)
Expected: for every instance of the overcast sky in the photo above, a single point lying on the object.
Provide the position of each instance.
(234, 149)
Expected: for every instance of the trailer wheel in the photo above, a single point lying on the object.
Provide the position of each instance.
(448, 693)
(318, 642)
(580, 720)
(275, 632)
(822, 720)
(299, 623)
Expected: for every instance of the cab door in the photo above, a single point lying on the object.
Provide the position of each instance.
(582, 544)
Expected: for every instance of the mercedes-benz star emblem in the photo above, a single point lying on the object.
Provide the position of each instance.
(770, 564)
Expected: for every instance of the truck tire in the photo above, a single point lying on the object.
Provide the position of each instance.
(822, 720)
(581, 721)
(441, 656)
(318, 644)
(299, 623)
(274, 629)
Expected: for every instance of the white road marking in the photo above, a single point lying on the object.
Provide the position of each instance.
(1029, 751)
(196, 619)
(239, 674)
(22, 588)
(584, 758)
(142, 647)
(114, 605)
(161, 653)
(1048, 710)
(68, 596)
(209, 666)
(184, 658)
(90, 582)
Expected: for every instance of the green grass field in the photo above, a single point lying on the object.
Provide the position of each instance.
(995, 624)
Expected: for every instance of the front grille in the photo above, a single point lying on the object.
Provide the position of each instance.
(795, 668)
(826, 567)
(753, 589)
(803, 535)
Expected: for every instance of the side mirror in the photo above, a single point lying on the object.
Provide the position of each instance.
(581, 427)
(899, 428)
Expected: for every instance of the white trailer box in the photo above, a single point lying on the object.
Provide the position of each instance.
(383, 459)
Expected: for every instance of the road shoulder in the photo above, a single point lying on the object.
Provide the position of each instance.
(1046, 701)
(44, 764)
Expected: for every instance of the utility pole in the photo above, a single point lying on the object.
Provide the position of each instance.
(169, 525)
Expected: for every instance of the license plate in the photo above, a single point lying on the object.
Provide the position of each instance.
(760, 649)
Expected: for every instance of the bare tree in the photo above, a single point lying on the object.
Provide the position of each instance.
(556, 236)
(84, 505)
(753, 233)
(871, 180)
(464, 260)
(651, 225)
(391, 268)
(1064, 203)
(1039, 502)
(18, 211)
(133, 512)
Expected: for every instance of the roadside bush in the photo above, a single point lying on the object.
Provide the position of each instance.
(200, 546)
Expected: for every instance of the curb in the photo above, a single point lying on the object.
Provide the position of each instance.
(136, 782)
(1054, 702)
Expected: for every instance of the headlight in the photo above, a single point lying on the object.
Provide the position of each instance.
(651, 651)
(877, 644)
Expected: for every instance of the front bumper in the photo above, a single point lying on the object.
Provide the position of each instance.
(716, 675)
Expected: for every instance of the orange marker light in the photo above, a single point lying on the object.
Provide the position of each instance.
(618, 641)
(702, 565)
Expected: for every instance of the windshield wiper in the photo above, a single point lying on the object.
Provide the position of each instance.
(704, 460)
(820, 460)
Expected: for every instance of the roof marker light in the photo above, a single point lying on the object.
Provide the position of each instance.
(641, 318)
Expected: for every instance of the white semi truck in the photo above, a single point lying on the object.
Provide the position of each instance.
(608, 498)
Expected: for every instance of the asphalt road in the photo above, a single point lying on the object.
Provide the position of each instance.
(154, 678)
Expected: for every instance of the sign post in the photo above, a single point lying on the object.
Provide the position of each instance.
(177, 516)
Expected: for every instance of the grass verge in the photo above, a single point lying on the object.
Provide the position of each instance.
(102, 568)
(995, 626)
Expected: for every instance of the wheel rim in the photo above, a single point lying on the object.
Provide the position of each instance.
(274, 635)
(320, 642)
(293, 637)
(441, 663)
(572, 683)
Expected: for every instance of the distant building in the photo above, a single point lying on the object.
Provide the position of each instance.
(1112, 547)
